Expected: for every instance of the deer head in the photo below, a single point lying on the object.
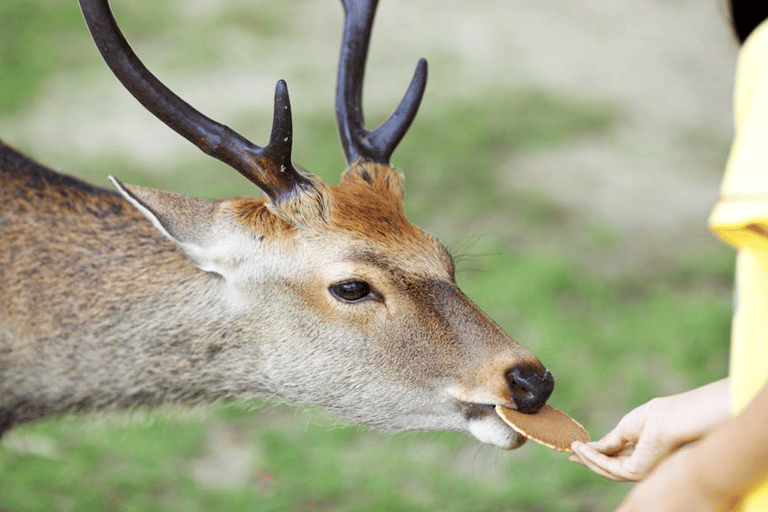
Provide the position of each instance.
(318, 294)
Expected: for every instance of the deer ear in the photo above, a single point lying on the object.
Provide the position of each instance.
(189, 222)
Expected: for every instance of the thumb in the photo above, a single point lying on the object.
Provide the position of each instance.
(613, 442)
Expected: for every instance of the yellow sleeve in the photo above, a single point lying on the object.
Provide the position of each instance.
(740, 217)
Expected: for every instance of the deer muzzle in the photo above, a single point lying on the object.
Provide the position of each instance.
(530, 387)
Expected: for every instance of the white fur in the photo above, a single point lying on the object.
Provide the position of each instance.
(492, 430)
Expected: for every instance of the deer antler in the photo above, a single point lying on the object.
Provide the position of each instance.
(269, 167)
(357, 142)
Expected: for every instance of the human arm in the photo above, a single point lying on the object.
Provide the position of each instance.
(715, 474)
(649, 433)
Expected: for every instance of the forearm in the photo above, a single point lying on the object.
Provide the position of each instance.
(734, 457)
(699, 411)
(675, 420)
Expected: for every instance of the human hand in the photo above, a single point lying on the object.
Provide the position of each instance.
(649, 433)
(633, 448)
(674, 487)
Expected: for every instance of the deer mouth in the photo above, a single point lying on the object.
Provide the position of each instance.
(486, 426)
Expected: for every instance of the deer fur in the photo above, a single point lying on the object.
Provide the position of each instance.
(99, 308)
(113, 300)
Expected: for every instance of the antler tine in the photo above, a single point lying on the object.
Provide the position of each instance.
(357, 142)
(269, 167)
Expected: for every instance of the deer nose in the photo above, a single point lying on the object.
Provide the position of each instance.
(530, 387)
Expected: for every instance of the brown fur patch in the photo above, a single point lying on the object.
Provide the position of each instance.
(369, 201)
(253, 213)
(27, 187)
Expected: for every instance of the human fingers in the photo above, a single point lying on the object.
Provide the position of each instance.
(595, 469)
(608, 467)
(614, 441)
(628, 431)
(621, 469)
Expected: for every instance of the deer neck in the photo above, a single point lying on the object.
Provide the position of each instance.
(162, 326)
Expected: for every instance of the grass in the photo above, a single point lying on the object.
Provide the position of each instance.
(612, 341)
(26, 58)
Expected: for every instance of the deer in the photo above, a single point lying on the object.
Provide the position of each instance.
(315, 294)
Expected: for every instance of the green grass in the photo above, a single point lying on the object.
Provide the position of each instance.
(612, 341)
(31, 50)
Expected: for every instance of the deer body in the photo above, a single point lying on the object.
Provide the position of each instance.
(79, 296)
(318, 294)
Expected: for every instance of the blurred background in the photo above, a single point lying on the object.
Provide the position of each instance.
(567, 151)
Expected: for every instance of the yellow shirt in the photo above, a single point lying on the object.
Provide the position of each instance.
(741, 219)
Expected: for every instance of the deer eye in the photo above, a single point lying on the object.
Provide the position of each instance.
(350, 291)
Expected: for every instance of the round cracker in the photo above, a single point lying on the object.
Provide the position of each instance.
(551, 427)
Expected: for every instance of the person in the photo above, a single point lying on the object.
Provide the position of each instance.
(727, 467)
